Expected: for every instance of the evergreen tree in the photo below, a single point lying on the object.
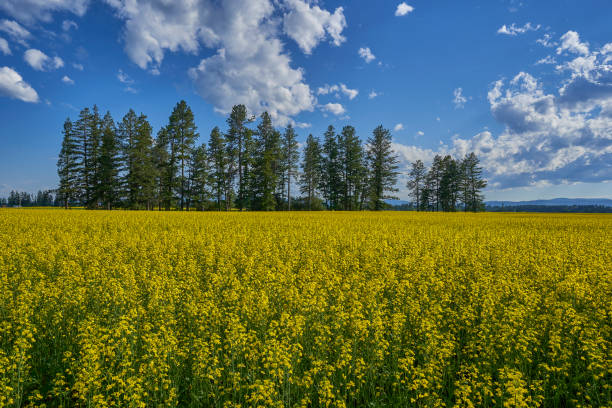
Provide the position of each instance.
(331, 182)
(238, 139)
(84, 156)
(126, 134)
(382, 166)
(290, 156)
(449, 184)
(163, 170)
(217, 155)
(353, 172)
(143, 168)
(200, 178)
(182, 129)
(109, 163)
(434, 178)
(68, 166)
(472, 183)
(416, 183)
(312, 163)
(267, 165)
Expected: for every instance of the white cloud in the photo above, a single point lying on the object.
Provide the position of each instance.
(327, 89)
(437, 119)
(4, 47)
(41, 61)
(335, 108)
(570, 41)
(308, 24)
(398, 127)
(78, 66)
(403, 9)
(549, 139)
(250, 65)
(29, 11)
(513, 29)
(420, 133)
(549, 59)
(546, 41)
(366, 54)
(459, 100)
(373, 94)
(67, 80)
(124, 78)
(67, 25)
(350, 93)
(13, 86)
(15, 31)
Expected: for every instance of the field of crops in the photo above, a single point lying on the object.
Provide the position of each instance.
(143, 309)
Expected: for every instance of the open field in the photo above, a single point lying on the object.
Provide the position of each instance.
(138, 309)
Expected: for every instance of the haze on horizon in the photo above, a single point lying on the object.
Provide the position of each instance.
(526, 85)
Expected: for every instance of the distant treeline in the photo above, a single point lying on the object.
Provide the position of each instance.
(552, 208)
(107, 165)
(43, 198)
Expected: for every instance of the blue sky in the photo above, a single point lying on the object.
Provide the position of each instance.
(527, 85)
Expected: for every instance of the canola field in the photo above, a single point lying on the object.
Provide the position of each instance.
(149, 309)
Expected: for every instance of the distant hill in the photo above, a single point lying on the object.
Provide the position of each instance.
(554, 202)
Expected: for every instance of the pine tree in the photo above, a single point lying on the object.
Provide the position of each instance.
(382, 166)
(449, 184)
(182, 129)
(126, 134)
(143, 169)
(267, 166)
(83, 152)
(109, 162)
(68, 166)
(312, 163)
(472, 183)
(331, 182)
(434, 178)
(217, 155)
(290, 156)
(237, 138)
(353, 173)
(160, 159)
(199, 178)
(416, 183)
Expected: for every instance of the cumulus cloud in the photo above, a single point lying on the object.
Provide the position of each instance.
(549, 138)
(4, 47)
(459, 100)
(366, 54)
(570, 42)
(67, 80)
(335, 108)
(78, 66)
(308, 24)
(15, 31)
(403, 9)
(30, 11)
(13, 86)
(373, 94)
(513, 29)
(420, 133)
(41, 61)
(250, 64)
(398, 127)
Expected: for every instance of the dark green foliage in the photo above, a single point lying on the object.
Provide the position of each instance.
(290, 156)
(416, 184)
(353, 170)
(267, 165)
(68, 167)
(219, 163)
(382, 167)
(182, 132)
(312, 167)
(109, 162)
(331, 183)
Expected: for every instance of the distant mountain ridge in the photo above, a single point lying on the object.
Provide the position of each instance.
(606, 202)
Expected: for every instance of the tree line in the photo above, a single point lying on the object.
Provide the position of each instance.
(250, 165)
(43, 198)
